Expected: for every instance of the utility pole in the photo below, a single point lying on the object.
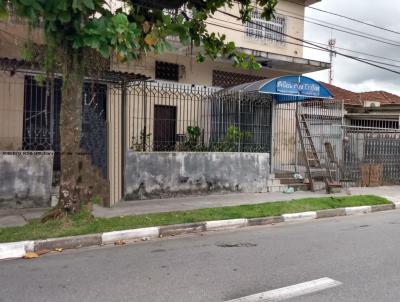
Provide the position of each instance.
(332, 54)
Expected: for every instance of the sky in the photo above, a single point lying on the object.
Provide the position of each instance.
(349, 74)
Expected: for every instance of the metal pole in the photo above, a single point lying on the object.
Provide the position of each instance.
(123, 138)
(240, 113)
(273, 118)
(296, 141)
(144, 136)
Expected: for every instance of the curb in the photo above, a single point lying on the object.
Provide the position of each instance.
(133, 234)
(299, 216)
(14, 250)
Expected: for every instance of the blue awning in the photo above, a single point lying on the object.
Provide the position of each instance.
(295, 89)
(287, 89)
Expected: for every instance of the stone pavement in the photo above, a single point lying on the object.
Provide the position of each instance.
(17, 217)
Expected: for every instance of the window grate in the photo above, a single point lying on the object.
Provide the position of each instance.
(375, 123)
(266, 31)
(227, 79)
(167, 71)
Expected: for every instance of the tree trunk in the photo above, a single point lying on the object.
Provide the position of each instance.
(79, 180)
(70, 131)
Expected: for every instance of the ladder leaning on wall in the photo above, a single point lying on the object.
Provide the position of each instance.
(314, 169)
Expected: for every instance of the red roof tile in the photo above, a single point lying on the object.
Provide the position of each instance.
(349, 97)
(385, 98)
(357, 99)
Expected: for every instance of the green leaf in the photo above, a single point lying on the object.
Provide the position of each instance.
(89, 4)
(64, 17)
(3, 12)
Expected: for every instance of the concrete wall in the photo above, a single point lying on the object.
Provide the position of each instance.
(25, 179)
(168, 174)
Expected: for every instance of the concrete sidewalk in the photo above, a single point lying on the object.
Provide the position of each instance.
(137, 207)
(18, 217)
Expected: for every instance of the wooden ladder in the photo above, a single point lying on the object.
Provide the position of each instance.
(331, 181)
(313, 163)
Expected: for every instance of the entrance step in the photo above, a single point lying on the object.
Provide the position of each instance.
(277, 188)
(284, 174)
(291, 180)
(287, 179)
(273, 182)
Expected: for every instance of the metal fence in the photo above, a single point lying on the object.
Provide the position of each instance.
(175, 117)
(364, 147)
(30, 117)
(323, 118)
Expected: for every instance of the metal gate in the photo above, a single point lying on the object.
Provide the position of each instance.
(367, 148)
(324, 119)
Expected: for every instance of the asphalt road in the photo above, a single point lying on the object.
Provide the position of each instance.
(363, 253)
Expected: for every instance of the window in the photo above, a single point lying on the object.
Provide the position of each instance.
(167, 71)
(384, 124)
(227, 79)
(266, 31)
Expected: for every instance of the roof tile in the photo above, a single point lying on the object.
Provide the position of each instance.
(351, 98)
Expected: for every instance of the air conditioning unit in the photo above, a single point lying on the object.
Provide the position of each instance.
(372, 104)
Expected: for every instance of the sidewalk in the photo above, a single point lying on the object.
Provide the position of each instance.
(18, 217)
(137, 207)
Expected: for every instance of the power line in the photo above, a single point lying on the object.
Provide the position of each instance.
(346, 17)
(315, 45)
(297, 44)
(315, 48)
(340, 28)
(358, 52)
(369, 37)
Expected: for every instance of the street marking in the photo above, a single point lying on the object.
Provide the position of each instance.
(287, 292)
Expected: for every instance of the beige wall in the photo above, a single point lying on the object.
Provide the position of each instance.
(294, 28)
(14, 35)
(114, 144)
(11, 111)
(191, 71)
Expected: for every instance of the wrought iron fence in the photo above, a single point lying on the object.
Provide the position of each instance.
(367, 146)
(176, 117)
(30, 117)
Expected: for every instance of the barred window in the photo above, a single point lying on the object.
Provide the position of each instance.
(384, 124)
(227, 79)
(167, 71)
(266, 31)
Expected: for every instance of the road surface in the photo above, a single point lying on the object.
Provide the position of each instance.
(361, 254)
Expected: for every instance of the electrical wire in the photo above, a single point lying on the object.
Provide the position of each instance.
(315, 45)
(306, 46)
(346, 17)
(358, 52)
(343, 29)
(320, 43)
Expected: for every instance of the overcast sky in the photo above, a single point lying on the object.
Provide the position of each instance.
(347, 73)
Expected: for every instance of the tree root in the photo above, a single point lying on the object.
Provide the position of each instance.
(54, 214)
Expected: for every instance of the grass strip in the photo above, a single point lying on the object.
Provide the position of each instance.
(84, 223)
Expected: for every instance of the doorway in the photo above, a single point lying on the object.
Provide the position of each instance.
(164, 128)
